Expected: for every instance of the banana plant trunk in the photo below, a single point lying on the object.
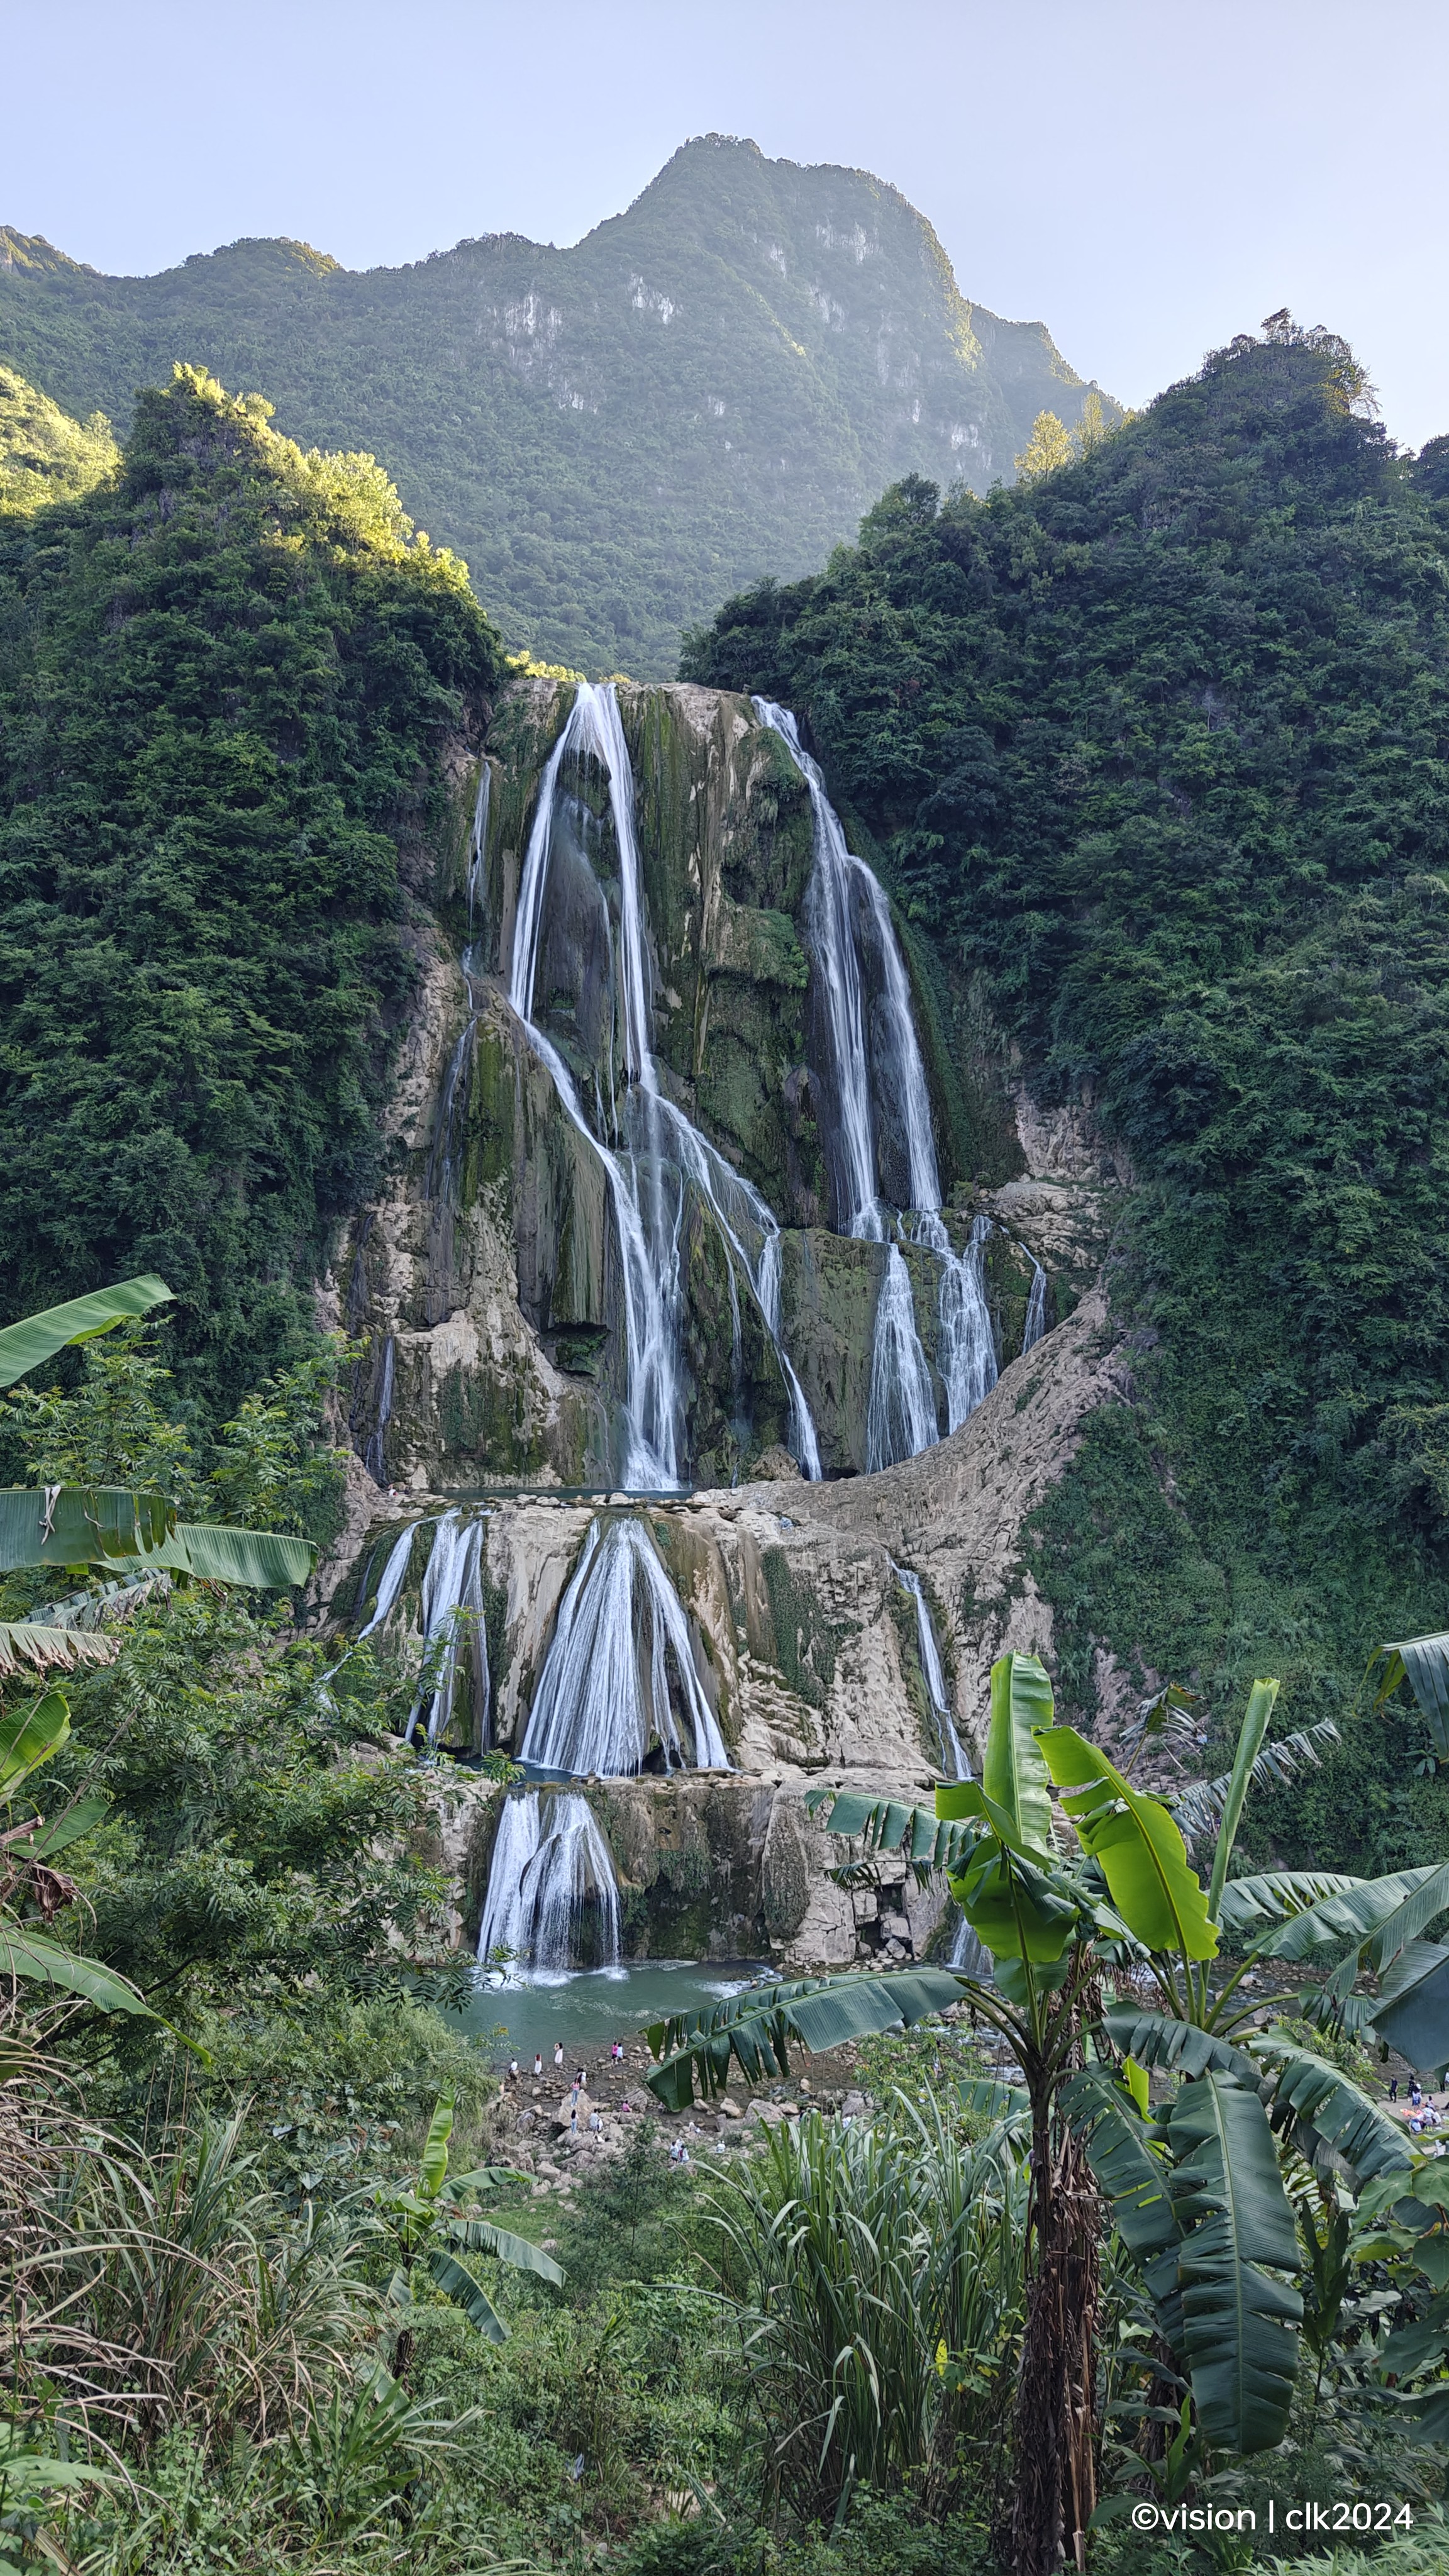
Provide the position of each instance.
(1054, 2488)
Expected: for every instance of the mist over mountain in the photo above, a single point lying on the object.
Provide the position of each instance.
(709, 387)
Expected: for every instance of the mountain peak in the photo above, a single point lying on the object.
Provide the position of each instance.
(714, 383)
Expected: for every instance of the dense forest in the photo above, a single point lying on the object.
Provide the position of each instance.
(710, 386)
(225, 673)
(1153, 749)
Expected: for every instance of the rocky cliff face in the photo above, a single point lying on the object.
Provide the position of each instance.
(487, 1276)
(487, 1270)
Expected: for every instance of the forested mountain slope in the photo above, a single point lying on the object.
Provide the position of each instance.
(1155, 749)
(224, 678)
(710, 386)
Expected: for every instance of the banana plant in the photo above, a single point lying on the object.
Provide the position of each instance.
(1066, 1871)
(32, 1890)
(432, 2215)
(78, 1528)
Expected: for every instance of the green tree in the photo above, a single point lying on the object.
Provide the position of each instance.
(1049, 446)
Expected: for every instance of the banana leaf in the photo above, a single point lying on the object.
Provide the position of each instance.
(480, 2236)
(1249, 1746)
(68, 1827)
(1335, 2108)
(1200, 1809)
(1013, 1770)
(79, 1525)
(25, 1642)
(433, 2170)
(1134, 1839)
(1423, 1662)
(1354, 1913)
(269, 1560)
(1178, 2047)
(1018, 1910)
(463, 2290)
(1129, 2164)
(889, 1825)
(37, 1337)
(1238, 2323)
(29, 1737)
(754, 2031)
(1273, 1895)
(1411, 2011)
(24, 1953)
(107, 1524)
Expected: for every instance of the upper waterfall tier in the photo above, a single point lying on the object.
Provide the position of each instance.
(655, 1157)
(673, 1194)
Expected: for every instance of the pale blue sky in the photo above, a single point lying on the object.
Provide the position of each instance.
(1145, 178)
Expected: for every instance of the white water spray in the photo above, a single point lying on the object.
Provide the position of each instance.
(394, 1574)
(550, 1863)
(931, 1667)
(662, 1152)
(621, 1639)
(454, 1640)
(876, 1052)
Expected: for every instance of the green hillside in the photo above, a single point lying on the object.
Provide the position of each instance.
(223, 680)
(1155, 750)
(709, 387)
(44, 455)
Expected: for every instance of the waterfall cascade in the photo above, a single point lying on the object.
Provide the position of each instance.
(551, 1885)
(455, 1643)
(931, 1667)
(604, 1697)
(1035, 1308)
(877, 1066)
(658, 1155)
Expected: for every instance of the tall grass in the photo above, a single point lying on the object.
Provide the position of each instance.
(875, 2278)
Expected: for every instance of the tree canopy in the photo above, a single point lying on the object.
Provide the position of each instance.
(226, 677)
(1153, 749)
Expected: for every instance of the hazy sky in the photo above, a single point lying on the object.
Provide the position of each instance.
(1146, 176)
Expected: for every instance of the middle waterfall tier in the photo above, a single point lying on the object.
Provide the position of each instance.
(620, 1687)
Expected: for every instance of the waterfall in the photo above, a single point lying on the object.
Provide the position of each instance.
(968, 1345)
(900, 1413)
(1035, 1308)
(550, 1862)
(930, 1654)
(876, 1058)
(372, 1458)
(454, 1641)
(604, 1696)
(478, 842)
(659, 1152)
(968, 1951)
(394, 1574)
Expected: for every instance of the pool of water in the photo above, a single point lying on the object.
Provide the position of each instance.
(593, 2006)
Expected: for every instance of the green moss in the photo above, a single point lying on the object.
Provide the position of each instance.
(805, 1641)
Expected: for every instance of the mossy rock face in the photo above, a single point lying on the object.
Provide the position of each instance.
(829, 1289)
(1008, 1278)
(688, 1853)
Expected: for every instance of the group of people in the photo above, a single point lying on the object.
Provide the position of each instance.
(1423, 2111)
(578, 2094)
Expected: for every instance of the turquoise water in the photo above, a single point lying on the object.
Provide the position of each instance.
(595, 2006)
